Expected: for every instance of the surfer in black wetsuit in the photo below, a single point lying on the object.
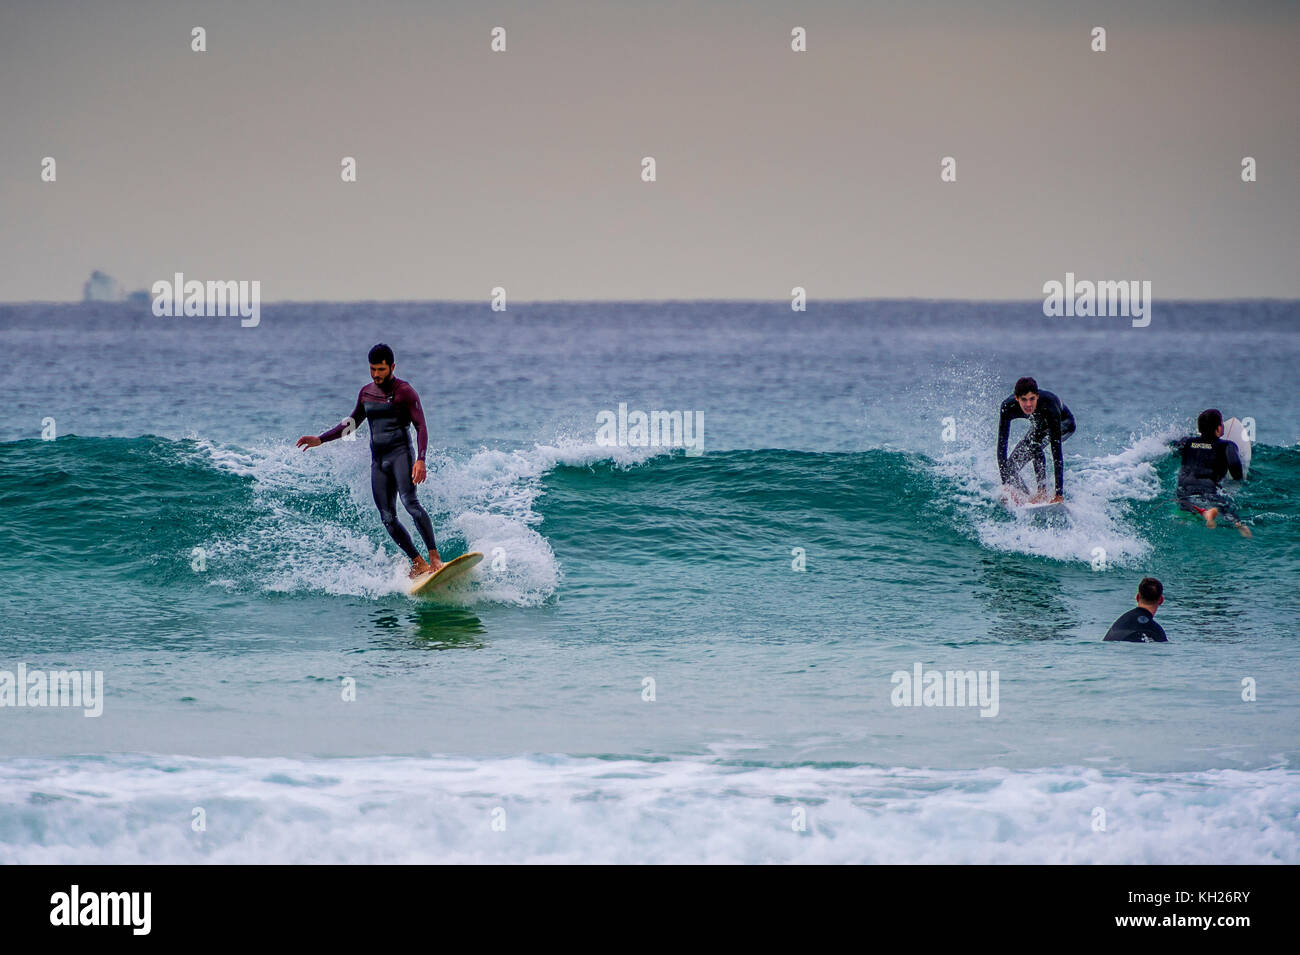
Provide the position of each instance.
(1050, 422)
(391, 406)
(1207, 459)
(1139, 624)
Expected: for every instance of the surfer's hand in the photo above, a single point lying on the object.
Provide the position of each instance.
(308, 441)
(417, 472)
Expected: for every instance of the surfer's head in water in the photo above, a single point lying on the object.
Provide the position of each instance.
(1210, 423)
(381, 364)
(1139, 625)
(1151, 594)
(1027, 394)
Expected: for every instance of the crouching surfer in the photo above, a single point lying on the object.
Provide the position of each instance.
(1050, 423)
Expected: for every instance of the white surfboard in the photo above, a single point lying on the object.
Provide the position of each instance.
(1016, 504)
(1045, 509)
(1235, 431)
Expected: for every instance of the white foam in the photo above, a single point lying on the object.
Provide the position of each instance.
(1098, 494)
(400, 810)
(487, 499)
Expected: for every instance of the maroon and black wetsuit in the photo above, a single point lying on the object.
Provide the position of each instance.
(391, 409)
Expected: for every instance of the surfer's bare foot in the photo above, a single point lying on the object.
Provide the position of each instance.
(436, 563)
(1210, 516)
(420, 566)
(1245, 531)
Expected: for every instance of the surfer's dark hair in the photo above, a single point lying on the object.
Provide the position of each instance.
(381, 352)
(1025, 386)
(1208, 422)
(1150, 590)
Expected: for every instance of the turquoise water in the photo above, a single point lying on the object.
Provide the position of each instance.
(608, 566)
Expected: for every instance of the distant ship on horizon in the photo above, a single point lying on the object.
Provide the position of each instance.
(102, 287)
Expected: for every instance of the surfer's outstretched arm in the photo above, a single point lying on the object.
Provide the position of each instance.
(358, 415)
(354, 420)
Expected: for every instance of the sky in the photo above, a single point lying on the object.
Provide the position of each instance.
(775, 169)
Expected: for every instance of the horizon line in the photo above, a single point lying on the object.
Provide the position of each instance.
(660, 301)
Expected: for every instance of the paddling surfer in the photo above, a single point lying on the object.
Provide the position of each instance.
(1206, 460)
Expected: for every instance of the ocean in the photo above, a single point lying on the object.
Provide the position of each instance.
(665, 656)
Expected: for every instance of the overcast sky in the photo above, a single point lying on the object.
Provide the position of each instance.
(775, 169)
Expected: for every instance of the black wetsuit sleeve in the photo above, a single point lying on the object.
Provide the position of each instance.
(1233, 460)
(1004, 429)
(1184, 472)
(358, 415)
(1053, 414)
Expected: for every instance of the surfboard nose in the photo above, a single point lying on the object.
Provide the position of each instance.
(445, 575)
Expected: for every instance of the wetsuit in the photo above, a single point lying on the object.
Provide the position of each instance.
(1051, 423)
(391, 409)
(1206, 461)
(1137, 626)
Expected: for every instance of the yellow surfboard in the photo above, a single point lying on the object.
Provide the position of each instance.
(428, 583)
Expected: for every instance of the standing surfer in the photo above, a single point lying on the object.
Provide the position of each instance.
(391, 406)
(1050, 422)
(1207, 459)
